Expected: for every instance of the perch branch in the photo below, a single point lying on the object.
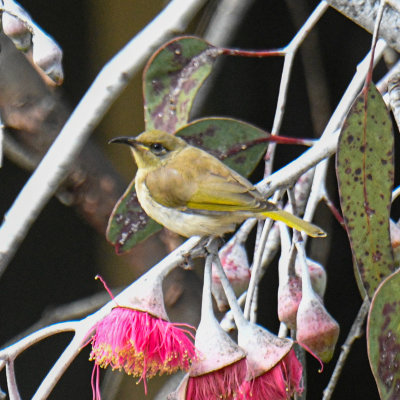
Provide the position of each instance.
(83, 327)
(107, 86)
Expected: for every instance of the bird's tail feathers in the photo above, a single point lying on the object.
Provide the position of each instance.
(295, 222)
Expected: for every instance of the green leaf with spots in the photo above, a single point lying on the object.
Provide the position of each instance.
(364, 167)
(383, 337)
(238, 144)
(171, 80)
(128, 223)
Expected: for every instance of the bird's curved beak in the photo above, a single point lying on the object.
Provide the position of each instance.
(130, 141)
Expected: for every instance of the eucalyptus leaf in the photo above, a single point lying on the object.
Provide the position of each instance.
(171, 80)
(365, 172)
(236, 143)
(383, 337)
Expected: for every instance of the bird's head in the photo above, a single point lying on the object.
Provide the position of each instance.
(152, 149)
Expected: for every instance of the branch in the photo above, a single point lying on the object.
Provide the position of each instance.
(290, 52)
(83, 328)
(326, 146)
(224, 22)
(105, 89)
(364, 13)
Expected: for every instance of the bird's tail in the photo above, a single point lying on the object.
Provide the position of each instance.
(295, 222)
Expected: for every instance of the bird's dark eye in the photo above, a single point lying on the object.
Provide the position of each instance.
(158, 149)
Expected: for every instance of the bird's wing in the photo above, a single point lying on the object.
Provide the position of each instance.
(204, 183)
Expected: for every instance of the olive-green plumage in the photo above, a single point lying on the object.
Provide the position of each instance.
(191, 192)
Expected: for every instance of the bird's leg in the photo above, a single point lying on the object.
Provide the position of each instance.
(207, 245)
(213, 244)
(196, 252)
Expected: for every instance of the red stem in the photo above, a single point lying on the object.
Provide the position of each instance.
(335, 212)
(276, 139)
(253, 53)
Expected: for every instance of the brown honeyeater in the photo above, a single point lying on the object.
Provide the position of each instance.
(191, 192)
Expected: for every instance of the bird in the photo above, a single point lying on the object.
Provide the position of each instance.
(192, 193)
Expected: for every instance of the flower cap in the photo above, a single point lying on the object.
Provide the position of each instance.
(215, 349)
(317, 330)
(264, 350)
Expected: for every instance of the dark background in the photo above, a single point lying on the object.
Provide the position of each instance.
(61, 254)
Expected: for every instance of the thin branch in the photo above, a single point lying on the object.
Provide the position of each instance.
(83, 328)
(19, 155)
(326, 146)
(13, 351)
(1, 142)
(12, 382)
(396, 193)
(318, 192)
(74, 310)
(314, 70)
(364, 14)
(256, 267)
(61, 365)
(354, 334)
(290, 51)
(220, 31)
(105, 89)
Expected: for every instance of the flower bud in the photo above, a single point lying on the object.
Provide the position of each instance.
(289, 297)
(317, 275)
(47, 55)
(273, 372)
(17, 31)
(316, 328)
(220, 367)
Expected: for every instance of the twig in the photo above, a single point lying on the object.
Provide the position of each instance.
(290, 51)
(335, 212)
(220, 31)
(1, 142)
(375, 34)
(395, 193)
(314, 71)
(65, 360)
(318, 192)
(17, 154)
(355, 333)
(13, 351)
(108, 85)
(256, 267)
(77, 309)
(12, 382)
(326, 146)
(363, 13)
(83, 328)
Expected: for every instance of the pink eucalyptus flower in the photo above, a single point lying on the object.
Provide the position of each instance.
(223, 383)
(279, 383)
(221, 366)
(141, 344)
(274, 372)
